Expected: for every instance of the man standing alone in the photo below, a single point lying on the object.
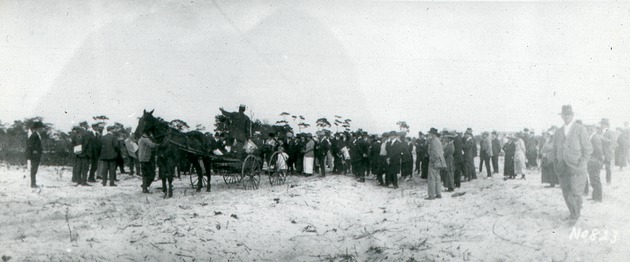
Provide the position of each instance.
(572, 150)
(34, 150)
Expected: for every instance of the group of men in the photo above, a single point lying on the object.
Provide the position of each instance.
(98, 155)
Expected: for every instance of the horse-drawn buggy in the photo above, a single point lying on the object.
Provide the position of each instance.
(243, 169)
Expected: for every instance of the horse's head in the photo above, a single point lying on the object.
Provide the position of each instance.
(145, 123)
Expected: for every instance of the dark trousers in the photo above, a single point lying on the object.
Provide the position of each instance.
(594, 169)
(608, 172)
(486, 160)
(120, 162)
(321, 161)
(495, 164)
(337, 164)
(80, 170)
(418, 163)
(424, 168)
(299, 164)
(458, 168)
(406, 168)
(93, 168)
(133, 165)
(381, 169)
(392, 173)
(148, 173)
(469, 169)
(108, 167)
(34, 168)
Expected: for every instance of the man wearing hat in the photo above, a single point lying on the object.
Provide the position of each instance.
(486, 153)
(469, 147)
(34, 150)
(239, 128)
(572, 150)
(95, 140)
(436, 162)
(83, 151)
(394, 150)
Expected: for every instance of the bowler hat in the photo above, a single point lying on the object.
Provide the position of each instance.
(37, 125)
(433, 130)
(392, 133)
(605, 121)
(567, 110)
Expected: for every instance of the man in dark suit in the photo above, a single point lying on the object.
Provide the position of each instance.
(572, 150)
(95, 140)
(496, 149)
(458, 159)
(394, 150)
(34, 150)
(362, 149)
(110, 148)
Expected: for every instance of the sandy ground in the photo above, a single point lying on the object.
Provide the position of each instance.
(309, 219)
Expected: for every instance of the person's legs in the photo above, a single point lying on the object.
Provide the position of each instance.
(565, 184)
(495, 164)
(431, 181)
(34, 168)
(487, 162)
(597, 184)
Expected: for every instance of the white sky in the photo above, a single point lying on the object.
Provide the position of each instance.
(502, 66)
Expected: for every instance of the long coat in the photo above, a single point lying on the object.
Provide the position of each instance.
(34, 147)
(572, 151)
(508, 165)
(110, 147)
(436, 151)
(448, 156)
(519, 156)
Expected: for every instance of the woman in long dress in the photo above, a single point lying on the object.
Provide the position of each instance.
(548, 174)
(622, 149)
(519, 157)
(508, 162)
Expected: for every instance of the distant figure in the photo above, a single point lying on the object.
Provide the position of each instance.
(520, 161)
(486, 153)
(239, 128)
(623, 143)
(496, 150)
(34, 150)
(145, 146)
(449, 148)
(572, 150)
(436, 162)
(469, 147)
(458, 159)
(508, 161)
(394, 149)
(594, 165)
(309, 155)
(548, 160)
(110, 148)
(609, 142)
(83, 148)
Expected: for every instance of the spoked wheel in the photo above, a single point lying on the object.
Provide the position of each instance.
(229, 177)
(277, 175)
(251, 173)
(194, 179)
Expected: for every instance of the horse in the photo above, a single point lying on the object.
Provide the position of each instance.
(177, 147)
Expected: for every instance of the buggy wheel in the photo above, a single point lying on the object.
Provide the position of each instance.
(194, 178)
(277, 176)
(251, 173)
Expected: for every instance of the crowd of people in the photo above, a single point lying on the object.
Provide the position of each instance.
(445, 159)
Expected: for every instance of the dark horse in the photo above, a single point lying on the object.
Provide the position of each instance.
(177, 147)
